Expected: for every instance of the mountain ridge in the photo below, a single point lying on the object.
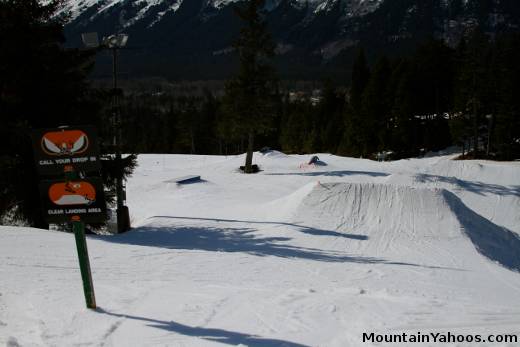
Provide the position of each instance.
(312, 36)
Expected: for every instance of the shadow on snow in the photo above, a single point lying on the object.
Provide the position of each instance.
(479, 188)
(210, 334)
(495, 242)
(237, 239)
(341, 173)
(301, 228)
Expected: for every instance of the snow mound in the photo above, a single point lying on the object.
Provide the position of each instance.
(273, 154)
(402, 219)
(370, 207)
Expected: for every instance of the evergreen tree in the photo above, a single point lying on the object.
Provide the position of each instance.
(376, 109)
(330, 113)
(295, 118)
(403, 132)
(360, 77)
(189, 122)
(473, 98)
(208, 115)
(250, 98)
(505, 121)
(353, 139)
(41, 85)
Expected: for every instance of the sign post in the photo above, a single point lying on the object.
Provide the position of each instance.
(84, 264)
(72, 191)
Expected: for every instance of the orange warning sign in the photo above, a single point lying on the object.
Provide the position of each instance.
(64, 199)
(72, 193)
(58, 150)
(65, 142)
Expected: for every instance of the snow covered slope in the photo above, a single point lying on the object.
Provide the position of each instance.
(77, 7)
(291, 256)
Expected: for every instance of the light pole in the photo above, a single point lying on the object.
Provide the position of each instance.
(114, 43)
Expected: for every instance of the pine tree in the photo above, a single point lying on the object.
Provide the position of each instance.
(403, 132)
(41, 85)
(330, 111)
(293, 126)
(505, 123)
(353, 138)
(376, 109)
(472, 97)
(249, 104)
(360, 77)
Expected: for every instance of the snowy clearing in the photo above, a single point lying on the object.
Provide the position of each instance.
(287, 257)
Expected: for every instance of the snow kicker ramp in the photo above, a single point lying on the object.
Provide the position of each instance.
(410, 223)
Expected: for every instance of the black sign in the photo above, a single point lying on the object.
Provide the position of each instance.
(63, 200)
(56, 149)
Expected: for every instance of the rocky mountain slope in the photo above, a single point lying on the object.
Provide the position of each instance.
(192, 38)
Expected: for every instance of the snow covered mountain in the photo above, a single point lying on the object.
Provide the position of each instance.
(192, 38)
(144, 8)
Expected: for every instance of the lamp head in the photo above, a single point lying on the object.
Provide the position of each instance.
(116, 41)
(90, 40)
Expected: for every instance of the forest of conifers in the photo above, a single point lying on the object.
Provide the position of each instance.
(428, 100)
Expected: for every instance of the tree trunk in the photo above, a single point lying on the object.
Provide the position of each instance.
(192, 142)
(249, 155)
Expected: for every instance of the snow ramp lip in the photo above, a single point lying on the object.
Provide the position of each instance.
(495, 242)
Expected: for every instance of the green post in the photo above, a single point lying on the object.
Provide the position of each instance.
(84, 263)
